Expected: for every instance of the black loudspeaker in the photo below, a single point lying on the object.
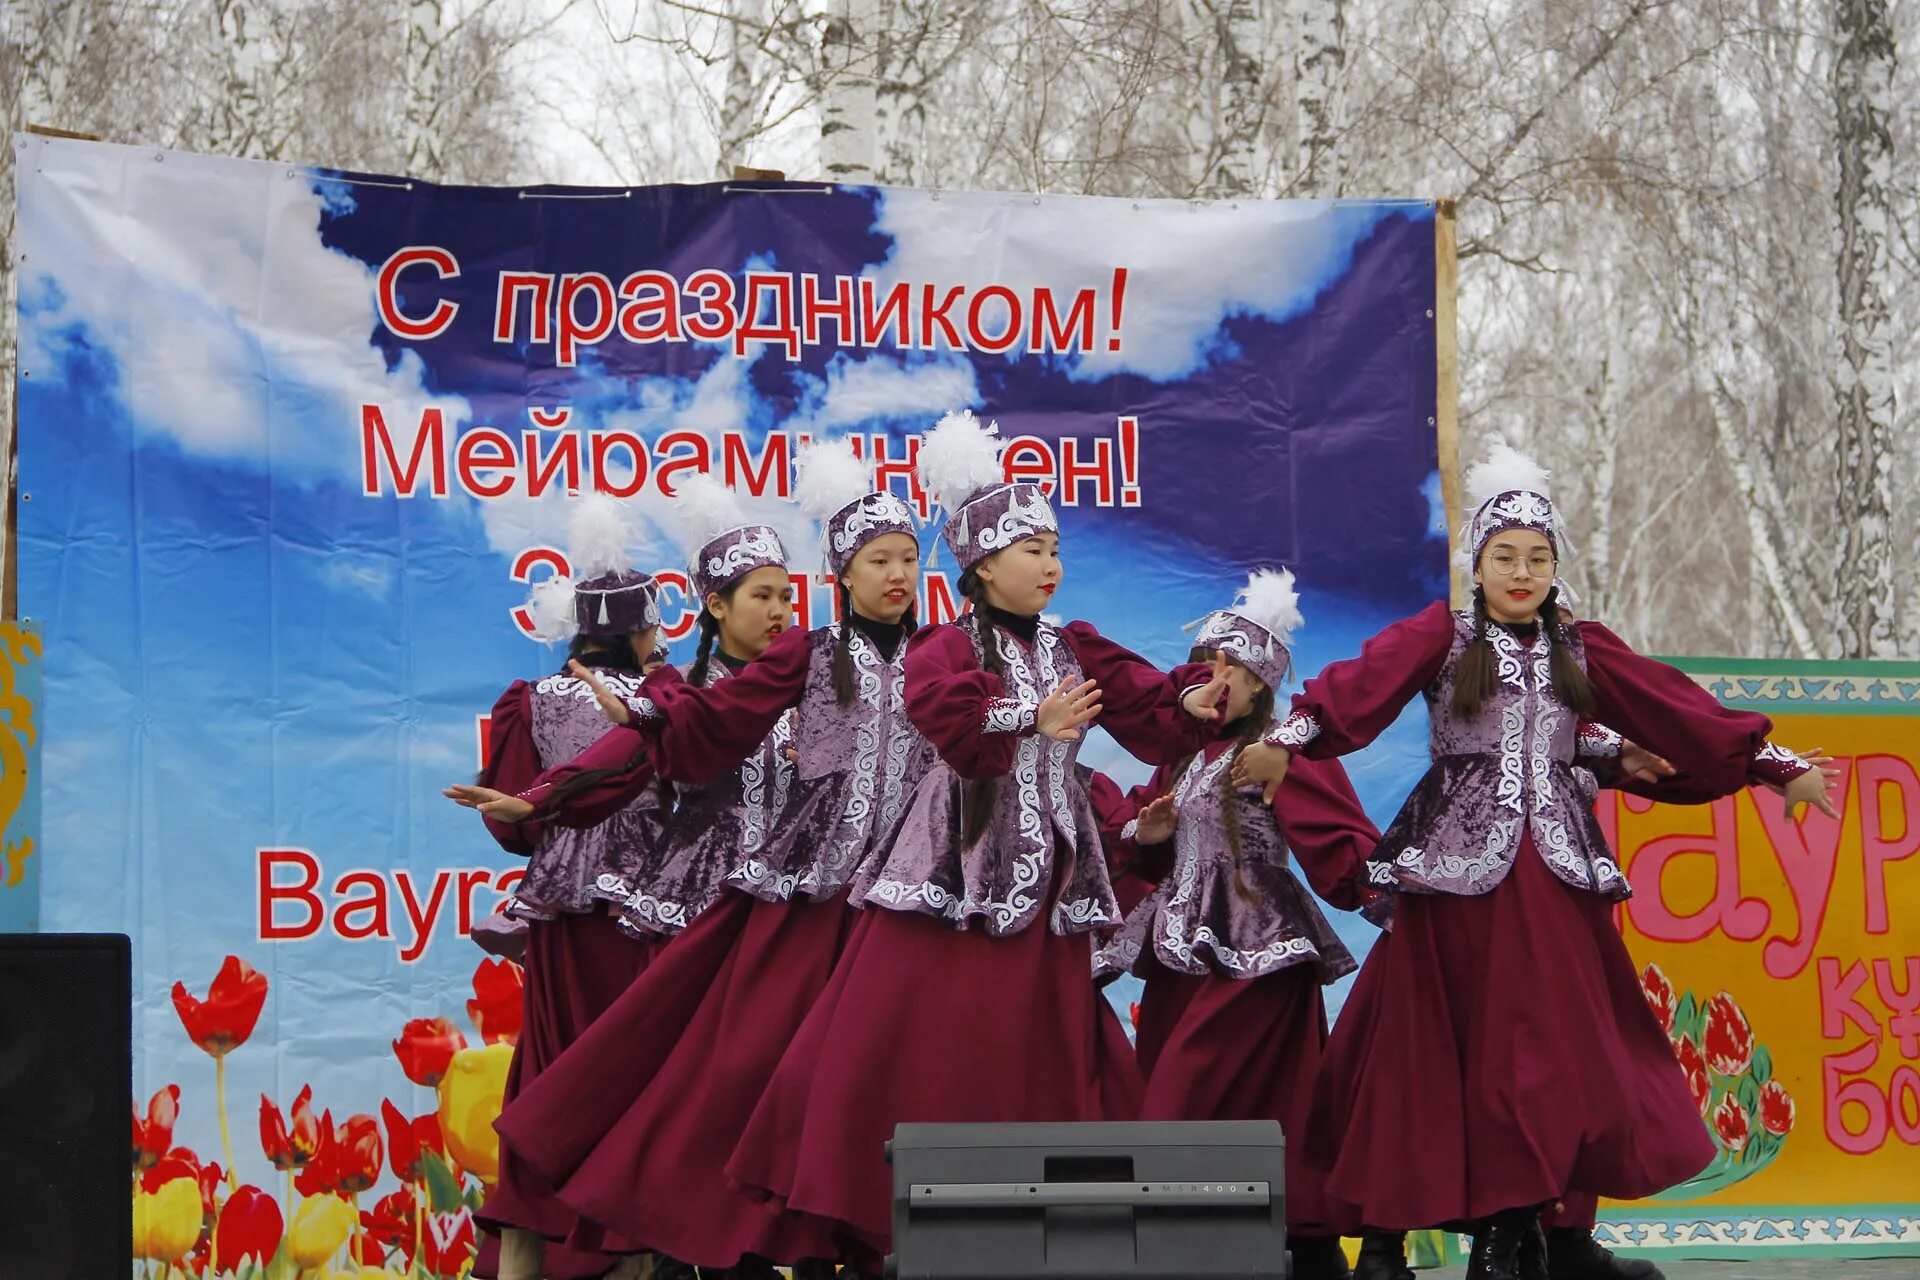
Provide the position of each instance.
(66, 1075)
(1151, 1201)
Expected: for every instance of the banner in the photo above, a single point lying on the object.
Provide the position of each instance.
(293, 444)
(1784, 959)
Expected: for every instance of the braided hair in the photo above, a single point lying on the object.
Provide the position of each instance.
(709, 633)
(1246, 729)
(1475, 679)
(980, 797)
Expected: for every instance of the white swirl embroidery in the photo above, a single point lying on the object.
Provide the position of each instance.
(1597, 742)
(623, 685)
(1027, 513)
(750, 548)
(1297, 730)
(893, 789)
(1009, 715)
(873, 514)
(1515, 508)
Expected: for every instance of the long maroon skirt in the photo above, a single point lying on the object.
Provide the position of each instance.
(634, 1125)
(923, 1022)
(577, 966)
(1219, 1048)
(1496, 1052)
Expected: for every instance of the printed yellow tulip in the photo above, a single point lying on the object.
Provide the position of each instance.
(470, 1097)
(319, 1229)
(166, 1221)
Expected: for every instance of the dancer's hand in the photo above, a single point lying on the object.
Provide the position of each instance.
(1638, 762)
(1813, 787)
(1067, 708)
(497, 805)
(1156, 822)
(1262, 763)
(1202, 703)
(611, 704)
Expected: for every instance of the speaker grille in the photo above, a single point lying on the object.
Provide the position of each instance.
(66, 1075)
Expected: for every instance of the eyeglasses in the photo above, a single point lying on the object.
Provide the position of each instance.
(1506, 564)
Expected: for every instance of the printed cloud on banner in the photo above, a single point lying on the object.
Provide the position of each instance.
(1179, 291)
(245, 340)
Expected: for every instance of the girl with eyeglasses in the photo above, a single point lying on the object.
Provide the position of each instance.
(1496, 1055)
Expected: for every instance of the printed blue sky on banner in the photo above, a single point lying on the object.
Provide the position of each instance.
(245, 652)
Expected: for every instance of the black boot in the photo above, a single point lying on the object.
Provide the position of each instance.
(1383, 1256)
(1317, 1258)
(1573, 1254)
(665, 1268)
(1533, 1251)
(1496, 1246)
(814, 1269)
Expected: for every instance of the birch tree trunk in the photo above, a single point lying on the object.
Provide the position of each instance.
(1863, 453)
(848, 108)
(1320, 73)
(424, 84)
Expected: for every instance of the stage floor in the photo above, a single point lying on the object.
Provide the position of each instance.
(1762, 1269)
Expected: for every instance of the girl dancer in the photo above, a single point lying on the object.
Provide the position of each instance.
(964, 995)
(577, 958)
(1540, 1069)
(636, 1125)
(1232, 949)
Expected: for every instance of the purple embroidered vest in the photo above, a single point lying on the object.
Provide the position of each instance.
(1245, 917)
(858, 764)
(718, 829)
(1007, 875)
(569, 866)
(1511, 769)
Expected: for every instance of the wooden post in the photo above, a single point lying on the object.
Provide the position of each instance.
(1446, 347)
(741, 173)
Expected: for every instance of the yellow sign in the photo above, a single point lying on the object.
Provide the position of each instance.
(1784, 958)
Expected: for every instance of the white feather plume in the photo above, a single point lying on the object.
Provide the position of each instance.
(1504, 469)
(958, 458)
(827, 476)
(1269, 598)
(703, 509)
(597, 536)
(550, 606)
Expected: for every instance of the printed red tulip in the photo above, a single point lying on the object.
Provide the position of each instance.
(289, 1148)
(180, 1162)
(449, 1242)
(359, 1153)
(408, 1140)
(250, 1226)
(390, 1221)
(425, 1047)
(222, 1022)
(153, 1135)
(1731, 1124)
(1728, 1040)
(321, 1176)
(1776, 1108)
(496, 1006)
(1660, 995)
(1691, 1062)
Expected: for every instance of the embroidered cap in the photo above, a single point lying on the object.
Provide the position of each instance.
(1510, 491)
(834, 487)
(1257, 628)
(959, 465)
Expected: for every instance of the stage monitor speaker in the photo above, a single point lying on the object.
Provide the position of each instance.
(66, 1075)
(1189, 1201)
